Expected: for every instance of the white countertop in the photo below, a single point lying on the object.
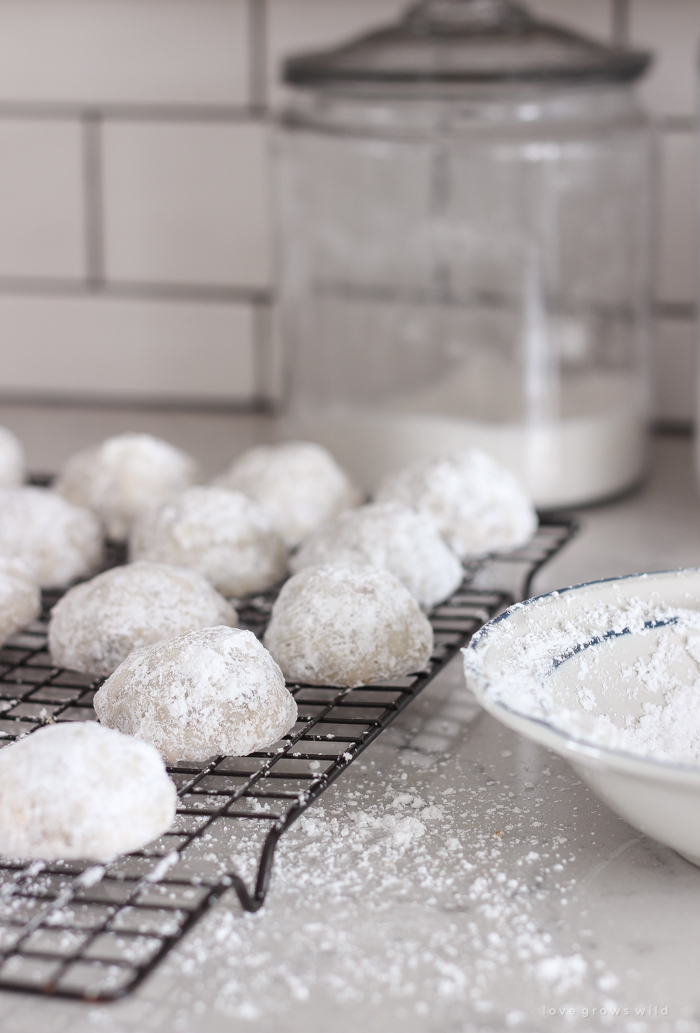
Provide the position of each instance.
(457, 877)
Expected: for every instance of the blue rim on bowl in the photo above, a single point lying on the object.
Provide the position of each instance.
(659, 796)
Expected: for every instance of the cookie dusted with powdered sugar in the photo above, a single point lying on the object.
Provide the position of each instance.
(298, 482)
(95, 626)
(347, 626)
(124, 476)
(79, 790)
(477, 505)
(57, 541)
(221, 534)
(390, 536)
(216, 691)
(20, 598)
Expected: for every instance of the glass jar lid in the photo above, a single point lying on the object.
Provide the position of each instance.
(466, 41)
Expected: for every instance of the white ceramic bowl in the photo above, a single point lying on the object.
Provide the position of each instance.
(659, 797)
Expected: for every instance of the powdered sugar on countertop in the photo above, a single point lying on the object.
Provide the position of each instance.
(440, 884)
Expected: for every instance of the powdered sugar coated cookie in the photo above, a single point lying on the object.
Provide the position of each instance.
(390, 536)
(216, 691)
(79, 790)
(298, 482)
(124, 476)
(477, 505)
(20, 598)
(219, 533)
(95, 626)
(340, 625)
(58, 542)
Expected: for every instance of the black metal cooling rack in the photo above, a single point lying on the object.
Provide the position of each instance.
(81, 930)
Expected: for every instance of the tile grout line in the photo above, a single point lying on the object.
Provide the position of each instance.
(93, 200)
(620, 22)
(262, 354)
(257, 55)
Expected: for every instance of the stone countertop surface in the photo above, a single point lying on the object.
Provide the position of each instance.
(457, 877)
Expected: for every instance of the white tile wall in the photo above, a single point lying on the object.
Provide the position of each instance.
(187, 203)
(126, 347)
(671, 28)
(135, 161)
(42, 227)
(675, 368)
(677, 270)
(589, 16)
(124, 51)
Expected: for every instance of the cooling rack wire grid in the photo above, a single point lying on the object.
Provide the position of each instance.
(81, 930)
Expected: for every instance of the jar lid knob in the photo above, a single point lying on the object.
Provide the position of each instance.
(488, 15)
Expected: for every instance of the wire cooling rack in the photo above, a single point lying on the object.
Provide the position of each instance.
(81, 930)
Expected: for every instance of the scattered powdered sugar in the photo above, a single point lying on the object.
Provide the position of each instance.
(211, 692)
(393, 537)
(347, 626)
(635, 685)
(299, 483)
(124, 476)
(59, 542)
(402, 897)
(477, 505)
(95, 626)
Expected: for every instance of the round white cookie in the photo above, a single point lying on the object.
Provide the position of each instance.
(298, 482)
(220, 533)
(57, 541)
(477, 505)
(12, 464)
(78, 790)
(391, 536)
(20, 598)
(125, 476)
(212, 692)
(95, 626)
(347, 626)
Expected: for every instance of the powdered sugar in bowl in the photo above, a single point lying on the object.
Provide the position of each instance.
(608, 675)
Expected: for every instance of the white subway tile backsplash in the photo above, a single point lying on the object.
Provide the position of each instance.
(187, 203)
(679, 198)
(117, 347)
(674, 370)
(591, 17)
(124, 51)
(181, 201)
(297, 25)
(671, 29)
(42, 227)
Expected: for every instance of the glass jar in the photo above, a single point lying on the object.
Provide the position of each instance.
(465, 257)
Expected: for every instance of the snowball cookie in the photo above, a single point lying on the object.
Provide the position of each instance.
(299, 484)
(347, 626)
(392, 536)
(220, 533)
(58, 541)
(95, 626)
(212, 692)
(20, 598)
(477, 505)
(124, 476)
(12, 468)
(78, 790)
